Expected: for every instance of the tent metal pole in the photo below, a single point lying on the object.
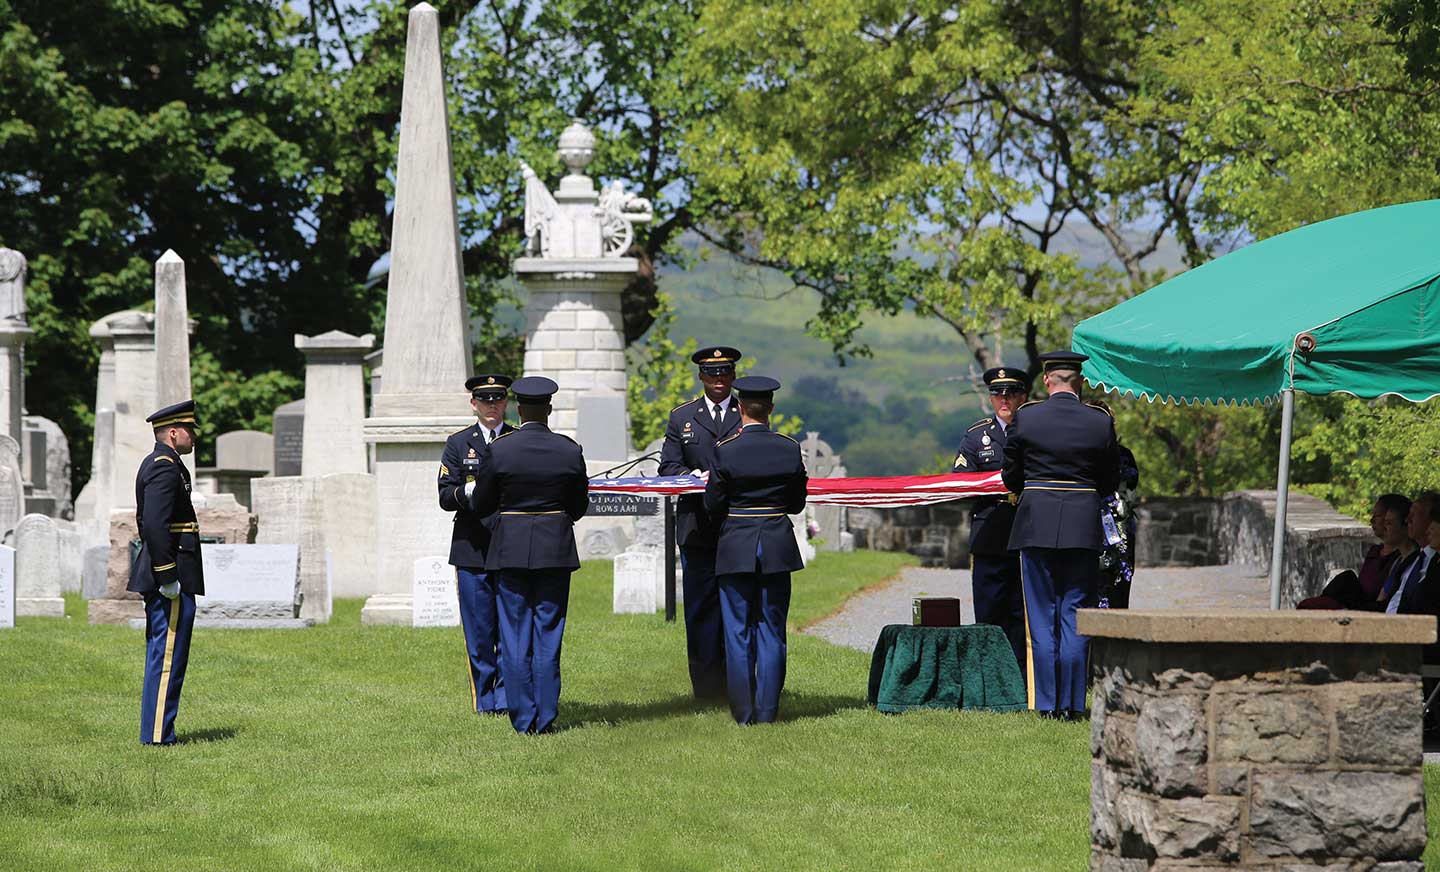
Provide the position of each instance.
(1282, 495)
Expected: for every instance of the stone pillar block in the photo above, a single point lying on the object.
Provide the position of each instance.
(334, 441)
(1256, 740)
(133, 334)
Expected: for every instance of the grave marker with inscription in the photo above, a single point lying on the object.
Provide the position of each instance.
(7, 586)
(250, 581)
(437, 604)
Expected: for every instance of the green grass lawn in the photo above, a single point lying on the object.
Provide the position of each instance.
(349, 747)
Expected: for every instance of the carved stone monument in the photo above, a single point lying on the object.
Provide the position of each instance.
(92, 506)
(12, 486)
(427, 347)
(172, 337)
(7, 587)
(14, 332)
(575, 270)
(334, 439)
(133, 335)
(38, 586)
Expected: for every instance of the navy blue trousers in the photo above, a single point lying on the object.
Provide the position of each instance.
(704, 637)
(754, 607)
(168, 624)
(482, 638)
(995, 582)
(533, 603)
(1057, 582)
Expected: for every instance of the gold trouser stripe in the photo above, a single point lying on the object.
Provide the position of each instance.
(470, 671)
(555, 512)
(162, 568)
(165, 670)
(1029, 647)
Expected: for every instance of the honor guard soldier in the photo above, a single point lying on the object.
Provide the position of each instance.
(690, 437)
(1061, 456)
(757, 480)
(994, 568)
(167, 572)
(464, 452)
(535, 484)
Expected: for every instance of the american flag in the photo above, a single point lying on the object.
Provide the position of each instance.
(879, 493)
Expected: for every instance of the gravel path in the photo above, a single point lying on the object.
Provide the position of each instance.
(858, 623)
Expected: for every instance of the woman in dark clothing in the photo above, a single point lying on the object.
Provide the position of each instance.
(1352, 590)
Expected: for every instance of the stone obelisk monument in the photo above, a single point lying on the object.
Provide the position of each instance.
(14, 331)
(172, 337)
(422, 396)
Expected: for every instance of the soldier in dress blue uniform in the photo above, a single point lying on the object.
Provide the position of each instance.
(756, 481)
(535, 484)
(464, 452)
(167, 573)
(1062, 457)
(690, 437)
(994, 568)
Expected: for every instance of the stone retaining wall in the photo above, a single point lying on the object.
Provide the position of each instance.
(1319, 541)
(939, 535)
(1291, 751)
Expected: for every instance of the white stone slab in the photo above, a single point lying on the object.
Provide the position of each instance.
(636, 585)
(37, 568)
(436, 600)
(240, 573)
(7, 586)
(245, 449)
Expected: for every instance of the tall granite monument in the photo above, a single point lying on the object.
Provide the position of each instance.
(427, 347)
(172, 337)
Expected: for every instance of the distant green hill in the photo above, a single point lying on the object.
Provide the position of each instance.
(903, 409)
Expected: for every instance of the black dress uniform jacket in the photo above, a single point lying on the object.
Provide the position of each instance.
(459, 464)
(1062, 457)
(690, 440)
(982, 449)
(758, 478)
(536, 481)
(169, 534)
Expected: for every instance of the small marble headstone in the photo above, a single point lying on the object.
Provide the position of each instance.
(245, 449)
(7, 586)
(436, 601)
(92, 574)
(636, 571)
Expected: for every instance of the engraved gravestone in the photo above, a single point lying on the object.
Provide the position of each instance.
(289, 429)
(7, 586)
(436, 602)
(250, 581)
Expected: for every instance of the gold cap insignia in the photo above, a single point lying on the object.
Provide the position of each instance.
(490, 380)
(1001, 375)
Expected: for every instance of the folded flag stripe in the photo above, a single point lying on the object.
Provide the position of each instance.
(881, 493)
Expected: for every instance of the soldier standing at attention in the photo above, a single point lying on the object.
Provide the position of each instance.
(757, 480)
(536, 481)
(994, 568)
(464, 452)
(167, 572)
(1061, 456)
(690, 439)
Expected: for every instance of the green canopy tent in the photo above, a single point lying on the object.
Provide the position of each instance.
(1350, 305)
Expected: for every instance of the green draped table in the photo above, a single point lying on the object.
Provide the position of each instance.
(968, 667)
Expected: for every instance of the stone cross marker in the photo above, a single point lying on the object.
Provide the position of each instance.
(7, 586)
(437, 602)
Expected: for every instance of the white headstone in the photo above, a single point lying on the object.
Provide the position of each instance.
(7, 586)
(92, 579)
(38, 589)
(436, 600)
(12, 485)
(251, 573)
(334, 439)
(245, 449)
(639, 582)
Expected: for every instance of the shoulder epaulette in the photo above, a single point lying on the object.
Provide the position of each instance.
(682, 405)
(980, 423)
(732, 437)
(563, 436)
(1031, 403)
(1099, 408)
(165, 457)
(791, 438)
(460, 432)
(503, 435)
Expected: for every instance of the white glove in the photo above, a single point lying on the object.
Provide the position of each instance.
(469, 488)
(171, 590)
